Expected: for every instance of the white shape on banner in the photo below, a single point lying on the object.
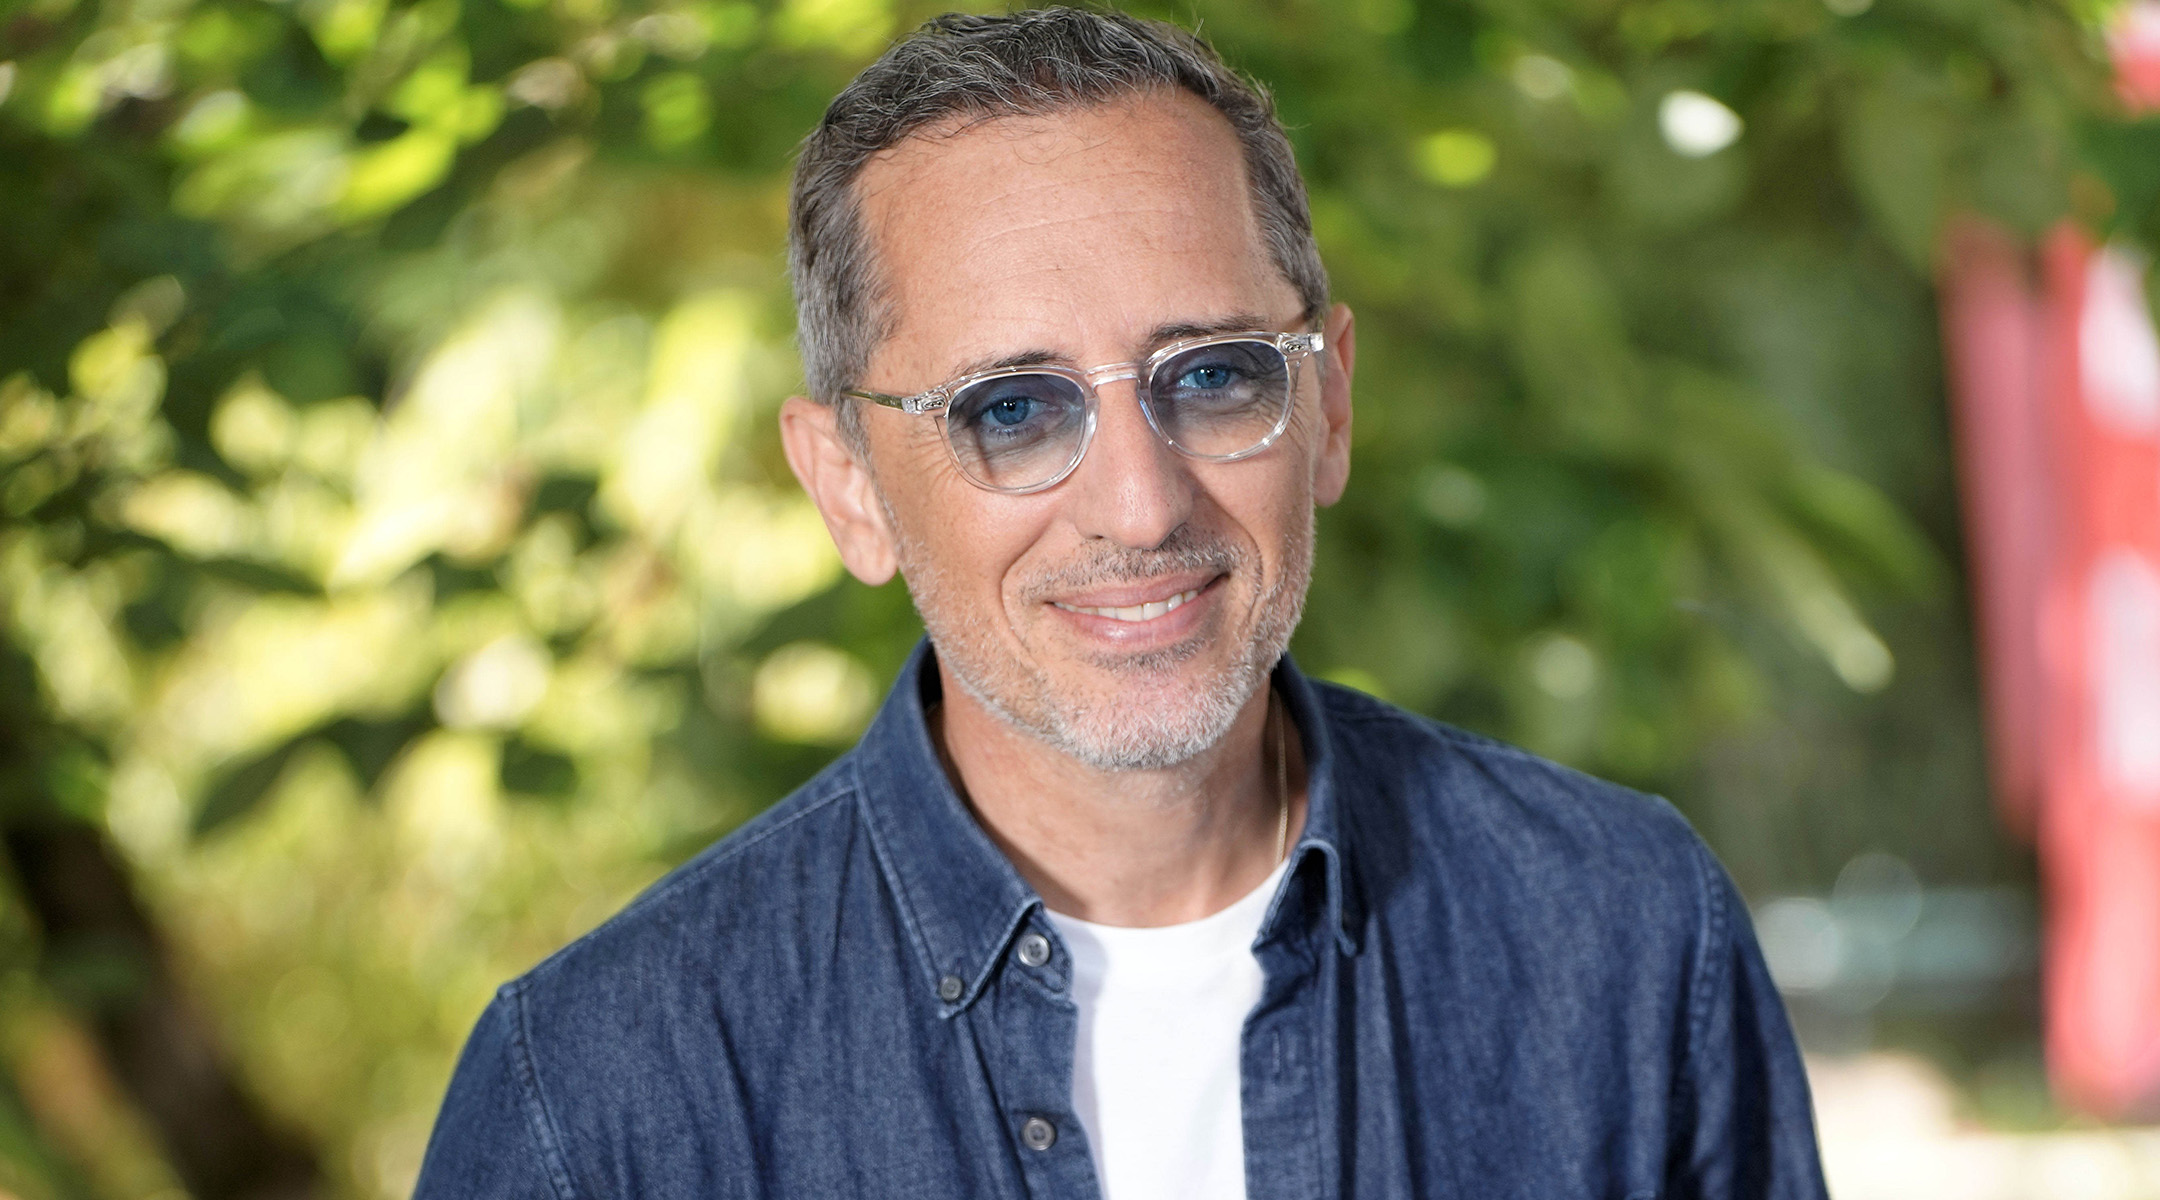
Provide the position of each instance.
(2116, 347)
(2124, 644)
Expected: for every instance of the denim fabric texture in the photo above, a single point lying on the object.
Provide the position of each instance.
(1487, 976)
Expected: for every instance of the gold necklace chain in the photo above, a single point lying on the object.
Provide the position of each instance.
(1282, 780)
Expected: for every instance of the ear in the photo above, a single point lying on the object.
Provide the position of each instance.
(841, 486)
(1332, 473)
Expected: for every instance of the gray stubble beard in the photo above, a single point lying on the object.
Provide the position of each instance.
(1115, 736)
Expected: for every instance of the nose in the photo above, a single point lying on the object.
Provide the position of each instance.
(1132, 487)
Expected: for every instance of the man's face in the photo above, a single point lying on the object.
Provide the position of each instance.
(1127, 614)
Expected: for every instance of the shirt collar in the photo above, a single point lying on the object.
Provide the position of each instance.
(960, 895)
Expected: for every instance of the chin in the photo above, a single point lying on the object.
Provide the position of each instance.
(1139, 710)
(1141, 713)
(1151, 734)
(1150, 728)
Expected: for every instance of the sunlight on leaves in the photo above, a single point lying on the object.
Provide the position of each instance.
(807, 692)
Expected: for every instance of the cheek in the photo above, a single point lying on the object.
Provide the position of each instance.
(1287, 511)
(957, 537)
(1290, 522)
(1306, 434)
(1281, 482)
(1264, 501)
(922, 489)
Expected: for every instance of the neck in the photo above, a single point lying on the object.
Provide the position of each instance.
(1132, 848)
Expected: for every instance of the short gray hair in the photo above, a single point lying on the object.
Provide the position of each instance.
(1022, 64)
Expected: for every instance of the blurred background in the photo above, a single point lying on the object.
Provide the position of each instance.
(398, 570)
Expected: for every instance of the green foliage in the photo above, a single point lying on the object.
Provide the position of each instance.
(399, 564)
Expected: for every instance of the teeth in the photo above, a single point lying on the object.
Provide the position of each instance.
(1134, 612)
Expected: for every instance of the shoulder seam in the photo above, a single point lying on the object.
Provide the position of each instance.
(528, 1076)
(1709, 933)
(1713, 936)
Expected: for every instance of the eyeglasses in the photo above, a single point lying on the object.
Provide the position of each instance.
(1023, 429)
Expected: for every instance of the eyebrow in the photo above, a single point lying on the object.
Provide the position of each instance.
(1179, 330)
(1161, 335)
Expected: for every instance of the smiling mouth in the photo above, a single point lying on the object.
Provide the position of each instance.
(1135, 612)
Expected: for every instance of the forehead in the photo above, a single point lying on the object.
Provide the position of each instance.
(1070, 232)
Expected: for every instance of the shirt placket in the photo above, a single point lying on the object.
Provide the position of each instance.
(1037, 1028)
(1285, 1081)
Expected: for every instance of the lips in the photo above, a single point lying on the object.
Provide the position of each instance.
(1134, 612)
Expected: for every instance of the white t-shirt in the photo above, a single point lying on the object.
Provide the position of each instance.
(1155, 1080)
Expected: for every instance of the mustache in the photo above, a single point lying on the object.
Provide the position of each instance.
(1184, 550)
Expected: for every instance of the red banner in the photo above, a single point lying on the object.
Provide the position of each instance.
(2055, 376)
(2057, 388)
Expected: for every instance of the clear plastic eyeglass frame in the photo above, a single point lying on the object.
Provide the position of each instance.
(1294, 347)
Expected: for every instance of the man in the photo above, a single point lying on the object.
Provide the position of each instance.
(1111, 900)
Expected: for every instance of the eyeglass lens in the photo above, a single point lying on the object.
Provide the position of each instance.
(1020, 431)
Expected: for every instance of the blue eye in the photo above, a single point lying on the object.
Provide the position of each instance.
(1008, 411)
(1221, 373)
(1012, 410)
(1015, 431)
(1221, 397)
(1208, 377)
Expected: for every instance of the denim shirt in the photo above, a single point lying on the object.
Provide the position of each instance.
(1486, 976)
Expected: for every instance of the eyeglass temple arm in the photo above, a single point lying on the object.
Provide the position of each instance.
(915, 405)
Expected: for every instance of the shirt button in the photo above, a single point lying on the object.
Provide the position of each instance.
(949, 988)
(1038, 1134)
(1034, 949)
